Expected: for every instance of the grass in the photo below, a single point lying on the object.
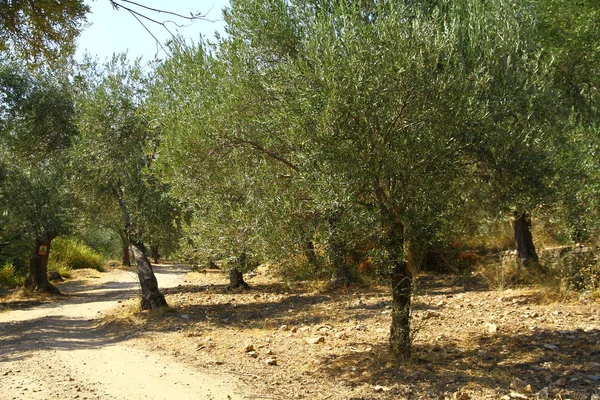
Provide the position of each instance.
(70, 254)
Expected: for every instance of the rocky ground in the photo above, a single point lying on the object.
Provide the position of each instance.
(297, 341)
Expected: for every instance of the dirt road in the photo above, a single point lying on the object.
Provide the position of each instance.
(59, 350)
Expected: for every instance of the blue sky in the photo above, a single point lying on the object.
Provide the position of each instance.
(112, 31)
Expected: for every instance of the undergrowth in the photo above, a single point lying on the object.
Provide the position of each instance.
(67, 254)
(9, 276)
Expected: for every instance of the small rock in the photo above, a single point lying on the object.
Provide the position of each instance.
(491, 328)
(271, 361)
(315, 340)
(341, 335)
(441, 303)
(515, 395)
(361, 327)
(562, 382)
(185, 316)
(294, 329)
(460, 395)
(55, 276)
(542, 394)
(551, 347)
(429, 315)
(249, 348)
(520, 386)
(379, 388)
(284, 328)
(252, 354)
(304, 329)
(594, 378)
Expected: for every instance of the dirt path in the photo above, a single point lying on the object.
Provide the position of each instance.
(59, 351)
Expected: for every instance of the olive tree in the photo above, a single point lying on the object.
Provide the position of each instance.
(388, 106)
(114, 153)
(36, 127)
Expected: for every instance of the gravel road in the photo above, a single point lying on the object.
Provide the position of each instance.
(59, 350)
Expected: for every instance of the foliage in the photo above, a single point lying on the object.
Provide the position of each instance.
(69, 253)
(10, 276)
(116, 148)
(41, 31)
(36, 129)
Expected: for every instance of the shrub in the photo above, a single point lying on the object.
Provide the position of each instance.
(9, 276)
(69, 253)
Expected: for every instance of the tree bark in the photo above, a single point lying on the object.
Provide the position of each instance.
(523, 239)
(343, 274)
(154, 253)
(126, 259)
(400, 336)
(236, 276)
(126, 255)
(37, 280)
(152, 298)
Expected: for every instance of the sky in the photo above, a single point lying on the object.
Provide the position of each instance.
(113, 31)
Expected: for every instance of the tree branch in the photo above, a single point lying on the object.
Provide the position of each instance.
(268, 152)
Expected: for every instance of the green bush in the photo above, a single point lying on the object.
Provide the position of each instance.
(67, 253)
(9, 276)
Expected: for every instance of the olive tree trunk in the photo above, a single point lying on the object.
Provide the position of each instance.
(523, 239)
(343, 274)
(37, 280)
(126, 259)
(236, 276)
(152, 298)
(401, 280)
(154, 253)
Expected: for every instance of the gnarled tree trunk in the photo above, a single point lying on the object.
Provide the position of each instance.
(236, 276)
(523, 239)
(37, 280)
(152, 298)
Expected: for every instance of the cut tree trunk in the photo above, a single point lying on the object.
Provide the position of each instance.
(154, 253)
(152, 298)
(37, 280)
(523, 239)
